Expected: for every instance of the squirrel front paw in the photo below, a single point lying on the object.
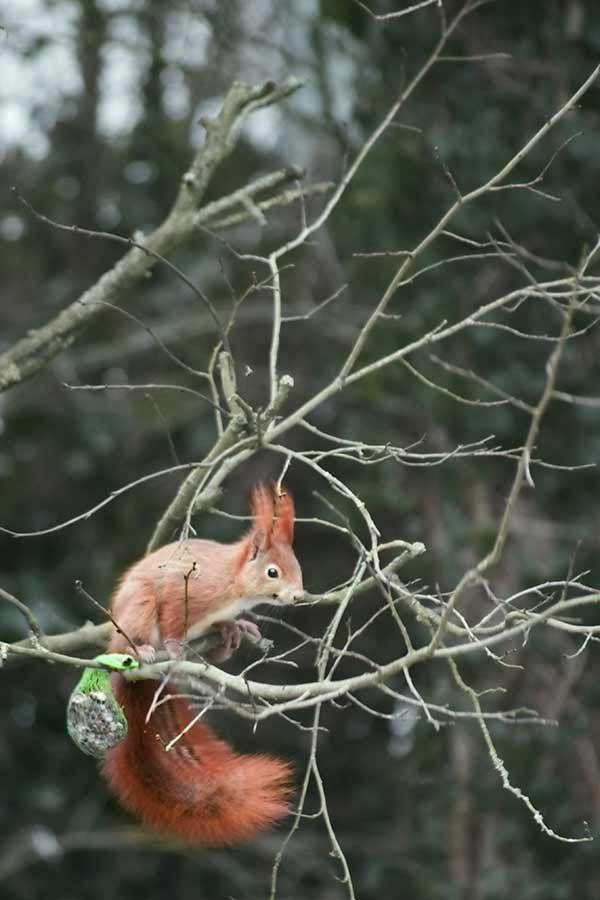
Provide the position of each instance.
(248, 627)
(231, 635)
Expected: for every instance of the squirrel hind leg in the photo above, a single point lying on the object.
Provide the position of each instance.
(145, 652)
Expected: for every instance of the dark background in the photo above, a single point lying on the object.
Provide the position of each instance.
(109, 96)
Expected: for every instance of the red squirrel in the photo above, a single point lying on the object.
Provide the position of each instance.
(199, 790)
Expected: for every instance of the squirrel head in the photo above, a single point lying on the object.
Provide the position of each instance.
(270, 571)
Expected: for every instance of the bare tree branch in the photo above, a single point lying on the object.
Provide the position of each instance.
(31, 353)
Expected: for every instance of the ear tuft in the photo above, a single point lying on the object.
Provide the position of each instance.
(283, 532)
(263, 511)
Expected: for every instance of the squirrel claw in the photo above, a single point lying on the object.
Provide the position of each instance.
(145, 653)
(249, 628)
(231, 635)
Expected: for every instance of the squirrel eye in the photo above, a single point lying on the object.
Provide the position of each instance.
(273, 572)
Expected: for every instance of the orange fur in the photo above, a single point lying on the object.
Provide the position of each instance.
(263, 511)
(200, 790)
(283, 530)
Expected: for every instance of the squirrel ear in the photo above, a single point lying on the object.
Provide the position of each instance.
(260, 541)
(261, 505)
(283, 531)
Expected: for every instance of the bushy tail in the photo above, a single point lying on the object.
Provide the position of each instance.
(200, 790)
